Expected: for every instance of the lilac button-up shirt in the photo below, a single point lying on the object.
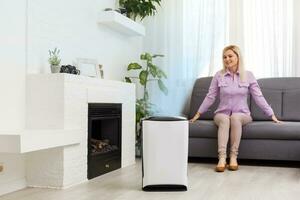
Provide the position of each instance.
(233, 94)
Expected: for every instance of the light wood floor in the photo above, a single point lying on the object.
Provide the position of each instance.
(249, 182)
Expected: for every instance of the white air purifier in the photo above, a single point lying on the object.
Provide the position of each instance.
(165, 153)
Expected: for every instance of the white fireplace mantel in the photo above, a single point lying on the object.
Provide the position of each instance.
(55, 137)
(34, 140)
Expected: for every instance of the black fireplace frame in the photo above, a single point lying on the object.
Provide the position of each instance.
(101, 163)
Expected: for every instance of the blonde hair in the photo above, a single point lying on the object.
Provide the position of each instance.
(241, 67)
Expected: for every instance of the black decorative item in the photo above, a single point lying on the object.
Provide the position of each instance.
(69, 69)
(123, 11)
(108, 9)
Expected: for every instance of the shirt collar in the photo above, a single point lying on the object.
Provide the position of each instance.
(228, 72)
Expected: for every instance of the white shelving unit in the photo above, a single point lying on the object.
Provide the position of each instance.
(120, 23)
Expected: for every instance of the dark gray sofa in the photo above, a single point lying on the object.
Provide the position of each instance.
(261, 139)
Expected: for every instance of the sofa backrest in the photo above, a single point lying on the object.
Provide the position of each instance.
(200, 90)
(283, 95)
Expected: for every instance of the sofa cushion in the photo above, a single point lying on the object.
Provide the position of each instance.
(203, 129)
(291, 108)
(196, 101)
(282, 83)
(271, 130)
(200, 90)
(273, 98)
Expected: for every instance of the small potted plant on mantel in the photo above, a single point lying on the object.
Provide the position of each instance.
(139, 8)
(54, 60)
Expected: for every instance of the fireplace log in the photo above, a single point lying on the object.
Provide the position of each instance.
(100, 144)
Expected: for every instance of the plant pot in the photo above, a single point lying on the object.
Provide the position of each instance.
(55, 68)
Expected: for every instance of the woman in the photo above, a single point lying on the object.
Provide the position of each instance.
(233, 84)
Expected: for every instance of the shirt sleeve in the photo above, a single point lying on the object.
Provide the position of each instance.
(257, 95)
(210, 98)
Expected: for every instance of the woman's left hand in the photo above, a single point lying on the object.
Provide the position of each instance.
(274, 118)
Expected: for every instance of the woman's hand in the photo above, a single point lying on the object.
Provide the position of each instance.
(274, 118)
(197, 115)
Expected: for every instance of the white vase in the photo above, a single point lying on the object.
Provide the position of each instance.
(55, 68)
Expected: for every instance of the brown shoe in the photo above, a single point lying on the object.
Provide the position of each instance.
(220, 168)
(221, 165)
(233, 165)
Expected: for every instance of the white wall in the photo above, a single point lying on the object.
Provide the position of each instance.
(12, 62)
(12, 87)
(74, 29)
(29, 28)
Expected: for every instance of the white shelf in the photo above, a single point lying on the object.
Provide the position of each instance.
(34, 140)
(120, 23)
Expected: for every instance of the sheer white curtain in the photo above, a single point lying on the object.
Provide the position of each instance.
(268, 37)
(205, 25)
(164, 33)
(191, 34)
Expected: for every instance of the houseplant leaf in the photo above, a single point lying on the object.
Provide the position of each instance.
(146, 56)
(152, 69)
(161, 74)
(139, 8)
(162, 87)
(134, 66)
(128, 80)
(146, 95)
(143, 77)
(157, 55)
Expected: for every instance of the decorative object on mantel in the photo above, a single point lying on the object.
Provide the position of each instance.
(88, 67)
(108, 9)
(123, 11)
(119, 10)
(101, 71)
(143, 106)
(69, 69)
(139, 8)
(54, 60)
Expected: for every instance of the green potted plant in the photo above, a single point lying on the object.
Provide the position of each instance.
(139, 8)
(150, 72)
(54, 60)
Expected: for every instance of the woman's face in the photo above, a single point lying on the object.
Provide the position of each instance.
(230, 60)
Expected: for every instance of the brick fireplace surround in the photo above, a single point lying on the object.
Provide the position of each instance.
(55, 139)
